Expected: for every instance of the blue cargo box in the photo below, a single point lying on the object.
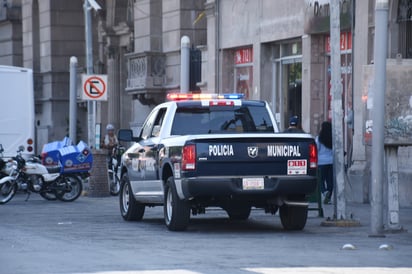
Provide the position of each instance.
(76, 158)
(50, 154)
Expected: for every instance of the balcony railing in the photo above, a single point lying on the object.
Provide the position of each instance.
(146, 72)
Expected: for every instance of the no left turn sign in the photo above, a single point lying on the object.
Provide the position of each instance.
(94, 87)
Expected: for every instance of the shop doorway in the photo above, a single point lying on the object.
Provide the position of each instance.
(287, 99)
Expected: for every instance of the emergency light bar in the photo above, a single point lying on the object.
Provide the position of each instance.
(202, 96)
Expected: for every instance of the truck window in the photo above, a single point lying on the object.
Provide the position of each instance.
(205, 120)
(151, 128)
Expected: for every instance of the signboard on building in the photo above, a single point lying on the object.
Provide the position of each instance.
(317, 15)
(94, 87)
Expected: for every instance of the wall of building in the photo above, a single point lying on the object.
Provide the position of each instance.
(53, 31)
(260, 25)
(11, 52)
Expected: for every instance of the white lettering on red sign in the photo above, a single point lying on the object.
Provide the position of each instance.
(297, 167)
(243, 56)
(345, 41)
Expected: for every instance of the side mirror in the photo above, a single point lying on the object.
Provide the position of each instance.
(126, 135)
(1, 148)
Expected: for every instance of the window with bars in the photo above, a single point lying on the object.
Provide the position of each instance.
(405, 28)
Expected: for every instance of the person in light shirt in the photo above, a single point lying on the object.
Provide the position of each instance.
(110, 141)
(325, 160)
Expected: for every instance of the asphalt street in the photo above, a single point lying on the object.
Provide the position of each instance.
(89, 236)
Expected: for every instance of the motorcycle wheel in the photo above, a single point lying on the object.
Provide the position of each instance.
(71, 190)
(48, 195)
(7, 191)
(114, 185)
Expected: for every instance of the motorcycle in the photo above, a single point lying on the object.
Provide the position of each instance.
(30, 176)
(114, 171)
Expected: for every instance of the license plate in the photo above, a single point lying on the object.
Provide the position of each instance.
(253, 183)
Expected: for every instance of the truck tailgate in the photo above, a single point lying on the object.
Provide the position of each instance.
(248, 156)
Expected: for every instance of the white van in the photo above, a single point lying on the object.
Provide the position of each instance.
(16, 110)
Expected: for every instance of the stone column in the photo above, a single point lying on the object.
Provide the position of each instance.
(113, 68)
(211, 46)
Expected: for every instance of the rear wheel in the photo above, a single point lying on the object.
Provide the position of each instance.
(130, 209)
(114, 184)
(293, 217)
(176, 211)
(69, 189)
(7, 191)
(48, 195)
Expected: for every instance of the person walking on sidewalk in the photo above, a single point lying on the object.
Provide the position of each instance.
(325, 160)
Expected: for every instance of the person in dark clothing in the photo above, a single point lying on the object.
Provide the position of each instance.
(294, 126)
(325, 160)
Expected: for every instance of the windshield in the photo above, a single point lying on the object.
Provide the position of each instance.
(207, 120)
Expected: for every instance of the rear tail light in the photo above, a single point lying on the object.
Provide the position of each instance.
(189, 157)
(30, 143)
(313, 156)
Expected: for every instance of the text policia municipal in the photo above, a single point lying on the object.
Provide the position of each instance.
(272, 150)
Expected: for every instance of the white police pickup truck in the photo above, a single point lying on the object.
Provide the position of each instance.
(202, 150)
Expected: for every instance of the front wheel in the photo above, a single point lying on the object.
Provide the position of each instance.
(7, 191)
(130, 209)
(69, 188)
(176, 211)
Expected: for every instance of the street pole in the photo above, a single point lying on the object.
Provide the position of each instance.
(184, 64)
(91, 105)
(73, 100)
(378, 116)
(337, 111)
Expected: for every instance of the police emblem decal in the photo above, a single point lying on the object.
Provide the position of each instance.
(252, 152)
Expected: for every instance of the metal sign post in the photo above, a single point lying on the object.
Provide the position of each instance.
(91, 105)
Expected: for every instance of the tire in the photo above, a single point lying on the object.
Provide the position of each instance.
(130, 209)
(7, 191)
(176, 211)
(293, 217)
(71, 190)
(238, 212)
(48, 195)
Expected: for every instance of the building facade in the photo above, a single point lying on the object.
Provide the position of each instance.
(274, 50)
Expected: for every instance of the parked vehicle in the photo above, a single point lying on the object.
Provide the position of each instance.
(31, 176)
(114, 171)
(17, 111)
(201, 150)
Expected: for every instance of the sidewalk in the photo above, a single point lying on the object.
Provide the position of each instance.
(362, 213)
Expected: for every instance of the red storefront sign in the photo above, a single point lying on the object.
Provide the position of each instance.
(243, 56)
(345, 41)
